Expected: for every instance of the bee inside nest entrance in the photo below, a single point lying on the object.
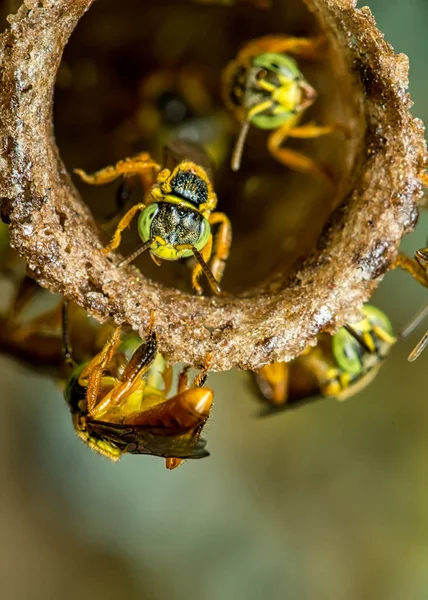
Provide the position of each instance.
(137, 76)
(363, 85)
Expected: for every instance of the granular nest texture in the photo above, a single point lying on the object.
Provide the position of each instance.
(54, 232)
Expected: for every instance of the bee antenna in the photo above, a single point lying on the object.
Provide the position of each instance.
(413, 324)
(133, 256)
(207, 272)
(239, 146)
(359, 338)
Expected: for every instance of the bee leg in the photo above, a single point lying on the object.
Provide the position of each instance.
(202, 266)
(420, 346)
(173, 463)
(141, 165)
(305, 47)
(123, 224)
(411, 266)
(167, 375)
(183, 380)
(197, 270)
(421, 257)
(201, 378)
(91, 376)
(310, 130)
(156, 259)
(222, 242)
(131, 380)
(293, 159)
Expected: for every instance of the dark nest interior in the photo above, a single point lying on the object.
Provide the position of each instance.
(306, 253)
(102, 114)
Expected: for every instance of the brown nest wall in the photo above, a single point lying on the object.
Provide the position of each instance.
(54, 232)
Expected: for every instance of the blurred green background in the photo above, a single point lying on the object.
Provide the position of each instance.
(326, 503)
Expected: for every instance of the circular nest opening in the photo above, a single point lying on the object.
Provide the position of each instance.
(121, 59)
(305, 255)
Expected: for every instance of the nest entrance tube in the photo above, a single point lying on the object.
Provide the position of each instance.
(304, 257)
(271, 207)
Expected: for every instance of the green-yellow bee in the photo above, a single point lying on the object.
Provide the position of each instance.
(338, 367)
(119, 404)
(264, 87)
(118, 388)
(176, 215)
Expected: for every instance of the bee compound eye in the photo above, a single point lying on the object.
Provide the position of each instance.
(204, 235)
(145, 221)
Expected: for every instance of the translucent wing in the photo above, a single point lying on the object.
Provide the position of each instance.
(134, 439)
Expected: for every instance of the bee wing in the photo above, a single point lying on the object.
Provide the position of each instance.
(133, 439)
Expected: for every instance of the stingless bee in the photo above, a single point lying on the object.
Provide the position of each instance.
(118, 401)
(176, 215)
(264, 87)
(118, 388)
(338, 367)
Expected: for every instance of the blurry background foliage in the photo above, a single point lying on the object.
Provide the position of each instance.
(329, 502)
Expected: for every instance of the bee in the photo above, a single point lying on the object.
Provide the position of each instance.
(117, 390)
(418, 268)
(119, 404)
(338, 367)
(176, 215)
(263, 86)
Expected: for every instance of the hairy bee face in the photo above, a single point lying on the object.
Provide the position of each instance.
(174, 224)
(274, 81)
(350, 355)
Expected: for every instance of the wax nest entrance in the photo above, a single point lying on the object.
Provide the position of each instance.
(306, 253)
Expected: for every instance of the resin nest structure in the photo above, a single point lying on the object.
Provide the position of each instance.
(278, 296)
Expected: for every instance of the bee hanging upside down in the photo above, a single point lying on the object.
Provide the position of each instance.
(119, 405)
(338, 367)
(118, 398)
(264, 87)
(176, 215)
(418, 268)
